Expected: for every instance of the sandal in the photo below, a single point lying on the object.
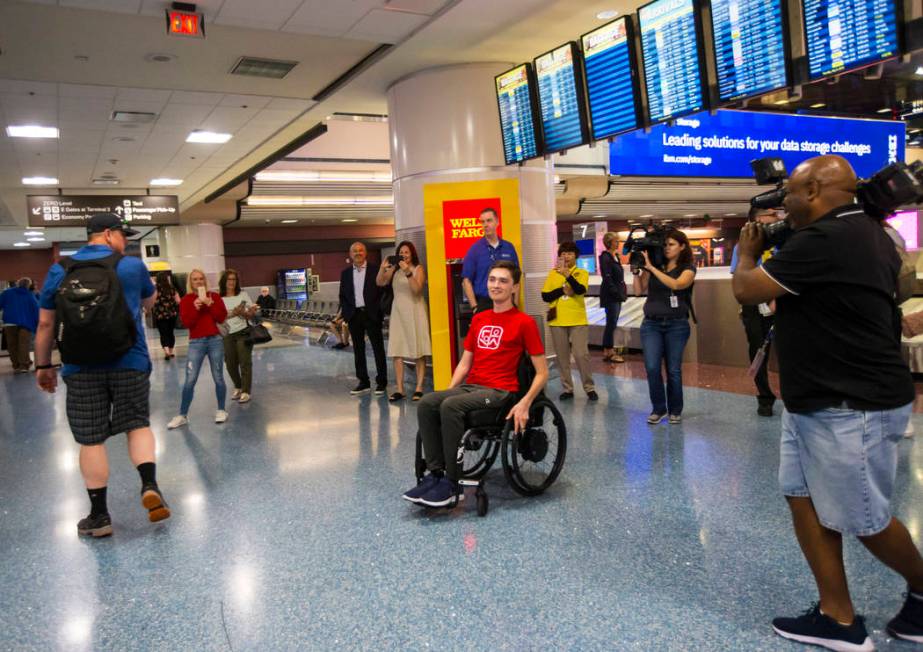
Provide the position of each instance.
(417, 396)
(395, 397)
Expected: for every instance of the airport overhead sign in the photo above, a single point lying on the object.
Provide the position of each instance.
(75, 210)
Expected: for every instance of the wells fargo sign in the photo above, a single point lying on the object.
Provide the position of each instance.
(462, 225)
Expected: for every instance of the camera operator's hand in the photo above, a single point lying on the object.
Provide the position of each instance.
(751, 240)
(647, 261)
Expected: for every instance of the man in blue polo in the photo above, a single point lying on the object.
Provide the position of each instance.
(481, 257)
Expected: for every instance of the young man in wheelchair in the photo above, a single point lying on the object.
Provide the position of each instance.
(486, 375)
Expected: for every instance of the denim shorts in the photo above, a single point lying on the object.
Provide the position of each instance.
(845, 461)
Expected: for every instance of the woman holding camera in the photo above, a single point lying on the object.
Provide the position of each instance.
(665, 329)
(612, 292)
(408, 327)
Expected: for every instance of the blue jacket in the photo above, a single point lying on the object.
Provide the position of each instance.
(20, 308)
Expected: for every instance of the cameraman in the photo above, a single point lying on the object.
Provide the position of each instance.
(757, 321)
(846, 390)
(665, 329)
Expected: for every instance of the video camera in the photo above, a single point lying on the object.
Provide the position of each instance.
(652, 241)
(771, 171)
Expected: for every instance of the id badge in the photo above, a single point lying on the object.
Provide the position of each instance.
(765, 310)
(674, 301)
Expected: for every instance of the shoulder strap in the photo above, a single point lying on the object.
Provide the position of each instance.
(111, 261)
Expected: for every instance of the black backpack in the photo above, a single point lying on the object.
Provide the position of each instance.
(92, 322)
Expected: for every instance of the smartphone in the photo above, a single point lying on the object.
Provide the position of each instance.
(201, 292)
(392, 260)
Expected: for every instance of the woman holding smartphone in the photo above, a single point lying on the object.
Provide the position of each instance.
(201, 311)
(408, 328)
(665, 329)
(612, 292)
(238, 352)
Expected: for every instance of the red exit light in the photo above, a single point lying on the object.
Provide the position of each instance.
(184, 23)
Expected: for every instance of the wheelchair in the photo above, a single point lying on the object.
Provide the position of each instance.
(532, 459)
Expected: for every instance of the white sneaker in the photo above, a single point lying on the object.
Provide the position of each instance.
(177, 421)
(244, 397)
(221, 416)
(235, 395)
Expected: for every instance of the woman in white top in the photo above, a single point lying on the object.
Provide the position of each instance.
(238, 352)
(408, 327)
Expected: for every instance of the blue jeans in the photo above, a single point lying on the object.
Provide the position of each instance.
(845, 461)
(613, 310)
(213, 347)
(665, 341)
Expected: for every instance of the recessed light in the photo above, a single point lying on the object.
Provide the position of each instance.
(289, 221)
(607, 14)
(919, 70)
(105, 182)
(35, 239)
(349, 219)
(819, 105)
(645, 215)
(31, 131)
(200, 136)
(884, 110)
(28, 233)
(21, 244)
(166, 182)
(39, 181)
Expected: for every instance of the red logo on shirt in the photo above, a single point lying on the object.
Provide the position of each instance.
(489, 337)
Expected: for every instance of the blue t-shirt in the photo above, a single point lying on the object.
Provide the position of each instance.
(19, 308)
(136, 285)
(479, 259)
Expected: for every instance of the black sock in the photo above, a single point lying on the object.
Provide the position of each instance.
(148, 473)
(98, 501)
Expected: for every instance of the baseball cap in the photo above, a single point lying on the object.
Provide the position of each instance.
(102, 221)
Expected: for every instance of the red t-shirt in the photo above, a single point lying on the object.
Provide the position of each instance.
(202, 323)
(498, 340)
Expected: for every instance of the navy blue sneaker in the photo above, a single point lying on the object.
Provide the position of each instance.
(908, 624)
(415, 494)
(445, 492)
(814, 628)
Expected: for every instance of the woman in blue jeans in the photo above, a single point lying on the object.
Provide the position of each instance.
(201, 312)
(665, 329)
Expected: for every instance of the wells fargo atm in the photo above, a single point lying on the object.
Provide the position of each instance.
(451, 218)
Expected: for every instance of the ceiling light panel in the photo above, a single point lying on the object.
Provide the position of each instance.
(39, 181)
(31, 131)
(207, 137)
(163, 181)
(320, 201)
(308, 176)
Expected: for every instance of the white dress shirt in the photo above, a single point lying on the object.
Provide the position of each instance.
(359, 284)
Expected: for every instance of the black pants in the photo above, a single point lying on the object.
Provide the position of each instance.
(613, 309)
(167, 338)
(757, 327)
(361, 324)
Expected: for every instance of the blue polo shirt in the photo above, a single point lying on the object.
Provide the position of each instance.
(136, 285)
(479, 259)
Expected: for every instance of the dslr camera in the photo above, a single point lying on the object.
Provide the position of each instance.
(651, 240)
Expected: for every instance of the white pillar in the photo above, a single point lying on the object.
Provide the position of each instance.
(196, 246)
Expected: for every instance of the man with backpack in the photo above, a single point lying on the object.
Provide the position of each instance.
(91, 304)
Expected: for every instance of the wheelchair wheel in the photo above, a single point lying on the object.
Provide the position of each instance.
(533, 458)
(477, 453)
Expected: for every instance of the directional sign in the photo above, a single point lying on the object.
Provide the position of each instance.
(75, 210)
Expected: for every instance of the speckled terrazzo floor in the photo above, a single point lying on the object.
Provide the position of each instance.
(288, 532)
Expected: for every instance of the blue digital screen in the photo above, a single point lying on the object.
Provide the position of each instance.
(845, 34)
(750, 55)
(722, 145)
(563, 123)
(517, 123)
(670, 50)
(610, 80)
(588, 263)
(586, 247)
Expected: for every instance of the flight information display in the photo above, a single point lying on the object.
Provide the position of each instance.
(563, 121)
(517, 120)
(672, 61)
(750, 47)
(610, 79)
(845, 34)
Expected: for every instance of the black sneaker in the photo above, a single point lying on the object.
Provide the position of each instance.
(764, 410)
(153, 501)
(443, 493)
(380, 389)
(592, 395)
(908, 624)
(361, 388)
(815, 628)
(566, 396)
(98, 525)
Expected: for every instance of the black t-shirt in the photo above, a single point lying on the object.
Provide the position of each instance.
(658, 297)
(838, 330)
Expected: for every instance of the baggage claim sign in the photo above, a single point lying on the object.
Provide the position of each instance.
(75, 210)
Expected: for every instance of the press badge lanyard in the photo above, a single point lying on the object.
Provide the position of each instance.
(760, 356)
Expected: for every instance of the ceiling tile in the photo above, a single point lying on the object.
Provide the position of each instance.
(193, 97)
(328, 18)
(151, 95)
(25, 116)
(26, 87)
(428, 7)
(190, 115)
(73, 109)
(118, 6)
(87, 90)
(208, 7)
(228, 119)
(386, 26)
(289, 104)
(265, 14)
(250, 101)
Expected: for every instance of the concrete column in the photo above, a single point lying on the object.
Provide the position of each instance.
(195, 246)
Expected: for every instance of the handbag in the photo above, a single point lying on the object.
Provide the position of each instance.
(551, 315)
(258, 334)
(223, 329)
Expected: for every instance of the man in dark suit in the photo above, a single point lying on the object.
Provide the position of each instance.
(360, 306)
